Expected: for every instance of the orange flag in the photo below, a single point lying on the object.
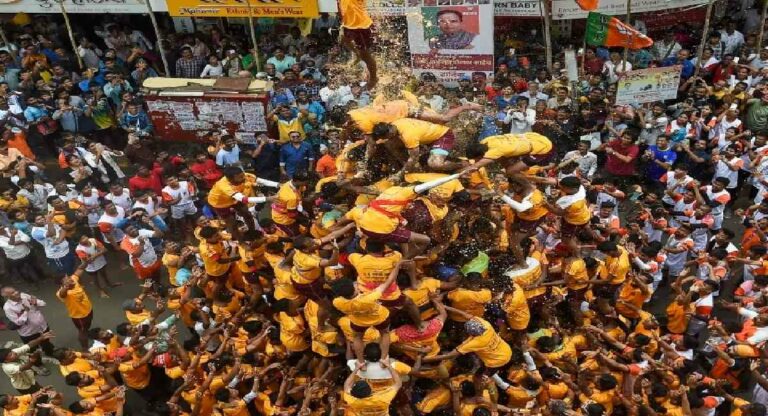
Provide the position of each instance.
(587, 4)
(605, 30)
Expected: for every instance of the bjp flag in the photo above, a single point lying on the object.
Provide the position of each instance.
(605, 30)
(587, 5)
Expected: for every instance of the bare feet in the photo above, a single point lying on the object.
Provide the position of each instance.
(103, 294)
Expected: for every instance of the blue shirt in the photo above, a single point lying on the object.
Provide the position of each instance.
(489, 128)
(140, 121)
(33, 113)
(226, 157)
(688, 68)
(668, 156)
(502, 103)
(295, 159)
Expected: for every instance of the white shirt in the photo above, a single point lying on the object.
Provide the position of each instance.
(20, 379)
(521, 122)
(15, 251)
(98, 263)
(183, 193)
(148, 256)
(53, 250)
(122, 201)
(212, 71)
(732, 41)
(587, 163)
(26, 315)
(610, 68)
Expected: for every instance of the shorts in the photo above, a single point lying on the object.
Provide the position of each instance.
(444, 144)
(227, 212)
(290, 230)
(577, 296)
(396, 303)
(384, 326)
(147, 272)
(568, 230)
(84, 323)
(314, 291)
(180, 211)
(361, 38)
(528, 227)
(399, 235)
(224, 275)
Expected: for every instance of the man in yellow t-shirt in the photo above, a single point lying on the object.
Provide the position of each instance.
(233, 192)
(77, 303)
(217, 255)
(617, 265)
(134, 370)
(357, 34)
(482, 340)
(364, 310)
(362, 400)
(286, 207)
(382, 220)
(509, 150)
(413, 133)
(528, 202)
(572, 206)
(18, 405)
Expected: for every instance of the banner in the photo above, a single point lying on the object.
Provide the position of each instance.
(649, 85)
(79, 6)
(568, 9)
(518, 8)
(450, 41)
(240, 8)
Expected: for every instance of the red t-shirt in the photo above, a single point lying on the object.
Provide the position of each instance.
(208, 171)
(616, 166)
(151, 183)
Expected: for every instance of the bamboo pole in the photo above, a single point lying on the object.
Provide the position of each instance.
(159, 37)
(547, 15)
(704, 35)
(762, 27)
(255, 51)
(626, 47)
(71, 35)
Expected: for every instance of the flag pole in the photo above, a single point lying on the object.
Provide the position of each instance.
(253, 37)
(626, 47)
(69, 32)
(547, 15)
(762, 27)
(159, 37)
(705, 34)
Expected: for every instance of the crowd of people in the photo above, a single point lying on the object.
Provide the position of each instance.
(517, 244)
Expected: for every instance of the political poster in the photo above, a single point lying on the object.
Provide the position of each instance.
(80, 6)
(568, 9)
(243, 8)
(450, 41)
(648, 85)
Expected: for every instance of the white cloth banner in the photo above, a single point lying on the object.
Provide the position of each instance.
(450, 41)
(648, 85)
(568, 9)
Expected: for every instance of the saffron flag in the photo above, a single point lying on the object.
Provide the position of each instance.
(605, 30)
(587, 5)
